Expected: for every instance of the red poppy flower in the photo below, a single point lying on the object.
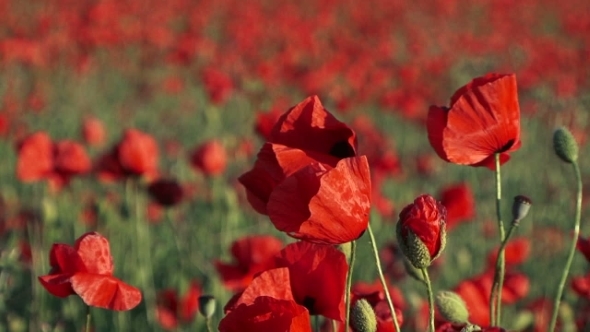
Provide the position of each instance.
(459, 202)
(172, 310)
(266, 305)
(86, 269)
(93, 132)
(517, 251)
(70, 159)
(210, 158)
(137, 153)
(35, 157)
(166, 192)
(308, 179)
(252, 254)
(318, 276)
(483, 119)
(424, 219)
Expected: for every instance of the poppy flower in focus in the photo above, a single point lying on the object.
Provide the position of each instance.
(318, 277)
(86, 269)
(460, 204)
(252, 254)
(266, 305)
(172, 310)
(308, 180)
(483, 119)
(210, 158)
(424, 219)
(166, 192)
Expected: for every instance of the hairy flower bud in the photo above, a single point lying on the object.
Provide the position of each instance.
(565, 145)
(452, 307)
(363, 317)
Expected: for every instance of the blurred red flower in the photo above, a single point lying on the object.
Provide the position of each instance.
(252, 254)
(166, 192)
(308, 180)
(138, 153)
(172, 310)
(93, 132)
(210, 158)
(266, 305)
(265, 122)
(86, 269)
(318, 277)
(425, 218)
(583, 246)
(460, 204)
(218, 85)
(484, 119)
(39, 158)
(517, 251)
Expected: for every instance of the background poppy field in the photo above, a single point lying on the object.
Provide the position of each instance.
(199, 85)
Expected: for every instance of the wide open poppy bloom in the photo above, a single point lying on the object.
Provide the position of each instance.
(266, 305)
(308, 179)
(173, 310)
(425, 221)
(86, 269)
(483, 119)
(318, 277)
(252, 255)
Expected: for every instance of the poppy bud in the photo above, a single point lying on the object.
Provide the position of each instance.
(363, 317)
(452, 307)
(520, 207)
(421, 230)
(207, 305)
(565, 145)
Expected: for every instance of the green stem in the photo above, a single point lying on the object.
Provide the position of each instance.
(496, 298)
(208, 322)
(349, 284)
(382, 278)
(572, 251)
(430, 297)
(87, 318)
(500, 270)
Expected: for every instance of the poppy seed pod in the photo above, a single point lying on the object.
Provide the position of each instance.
(520, 207)
(363, 317)
(565, 146)
(421, 230)
(452, 307)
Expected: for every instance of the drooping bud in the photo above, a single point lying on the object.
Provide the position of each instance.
(565, 145)
(452, 307)
(207, 305)
(362, 317)
(520, 207)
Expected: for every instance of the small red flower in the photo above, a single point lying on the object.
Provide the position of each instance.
(172, 310)
(93, 132)
(70, 159)
(210, 158)
(86, 269)
(460, 204)
(308, 180)
(483, 119)
(252, 255)
(137, 153)
(424, 219)
(35, 158)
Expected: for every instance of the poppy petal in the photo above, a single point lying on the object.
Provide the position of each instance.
(105, 291)
(274, 283)
(309, 126)
(95, 252)
(323, 204)
(64, 259)
(57, 284)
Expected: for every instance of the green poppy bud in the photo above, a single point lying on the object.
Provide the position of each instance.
(565, 145)
(452, 307)
(362, 317)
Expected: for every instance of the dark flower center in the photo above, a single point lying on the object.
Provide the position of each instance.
(506, 146)
(309, 303)
(342, 150)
